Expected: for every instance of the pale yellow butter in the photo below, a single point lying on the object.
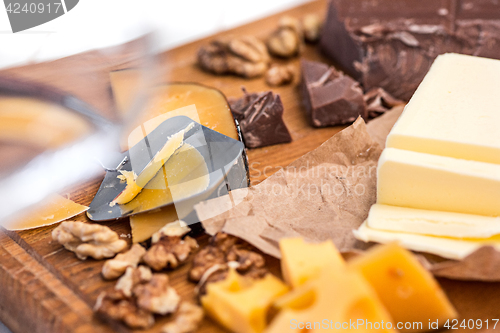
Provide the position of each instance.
(455, 111)
(425, 181)
(452, 248)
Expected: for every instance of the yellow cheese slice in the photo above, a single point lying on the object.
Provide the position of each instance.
(454, 111)
(425, 181)
(53, 209)
(446, 247)
(240, 304)
(430, 222)
(342, 301)
(301, 261)
(185, 174)
(408, 291)
(138, 182)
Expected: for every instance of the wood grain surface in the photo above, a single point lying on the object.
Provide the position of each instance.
(44, 288)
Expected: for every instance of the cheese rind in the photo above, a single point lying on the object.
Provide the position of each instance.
(425, 181)
(454, 111)
(431, 222)
(408, 291)
(451, 248)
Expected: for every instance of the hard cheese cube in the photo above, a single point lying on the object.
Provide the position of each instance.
(301, 261)
(342, 301)
(425, 181)
(240, 304)
(407, 290)
(454, 112)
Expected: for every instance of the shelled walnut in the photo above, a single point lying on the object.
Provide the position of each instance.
(114, 268)
(187, 319)
(286, 41)
(169, 249)
(244, 56)
(279, 75)
(136, 296)
(88, 240)
(212, 262)
(311, 25)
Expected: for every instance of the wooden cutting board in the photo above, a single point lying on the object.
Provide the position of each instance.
(44, 288)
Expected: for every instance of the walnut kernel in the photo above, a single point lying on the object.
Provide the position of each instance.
(311, 25)
(114, 268)
(187, 319)
(279, 75)
(286, 40)
(88, 240)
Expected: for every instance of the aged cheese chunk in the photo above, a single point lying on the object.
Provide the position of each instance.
(425, 181)
(301, 261)
(452, 248)
(431, 222)
(342, 298)
(454, 112)
(212, 109)
(408, 291)
(53, 209)
(241, 304)
(144, 225)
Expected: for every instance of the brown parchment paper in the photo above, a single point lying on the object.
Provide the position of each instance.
(325, 194)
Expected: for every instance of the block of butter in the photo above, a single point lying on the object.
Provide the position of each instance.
(455, 111)
(446, 247)
(431, 222)
(424, 181)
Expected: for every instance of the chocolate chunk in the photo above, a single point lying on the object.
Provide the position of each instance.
(379, 101)
(261, 119)
(330, 97)
(392, 44)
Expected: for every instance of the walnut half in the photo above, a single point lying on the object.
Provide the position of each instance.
(187, 319)
(88, 240)
(114, 268)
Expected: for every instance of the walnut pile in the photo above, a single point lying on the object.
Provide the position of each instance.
(279, 75)
(88, 240)
(215, 259)
(311, 26)
(187, 319)
(114, 268)
(169, 249)
(244, 56)
(138, 295)
(286, 41)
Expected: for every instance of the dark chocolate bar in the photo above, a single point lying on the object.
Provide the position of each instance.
(261, 119)
(392, 44)
(330, 97)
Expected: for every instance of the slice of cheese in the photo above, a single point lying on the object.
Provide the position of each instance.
(408, 291)
(240, 304)
(452, 248)
(342, 301)
(454, 112)
(53, 209)
(184, 175)
(138, 182)
(301, 261)
(425, 181)
(431, 222)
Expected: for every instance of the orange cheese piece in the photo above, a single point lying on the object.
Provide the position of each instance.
(241, 304)
(53, 209)
(301, 261)
(339, 300)
(409, 292)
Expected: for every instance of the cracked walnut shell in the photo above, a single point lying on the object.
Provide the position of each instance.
(244, 56)
(88, 240)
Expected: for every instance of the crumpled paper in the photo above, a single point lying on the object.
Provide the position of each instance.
(325, 194)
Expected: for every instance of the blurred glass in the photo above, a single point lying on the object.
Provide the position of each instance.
(50, 139)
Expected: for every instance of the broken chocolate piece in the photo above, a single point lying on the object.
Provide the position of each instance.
(330, 97)
(261, 119)
(392, 44)
(379, 101)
